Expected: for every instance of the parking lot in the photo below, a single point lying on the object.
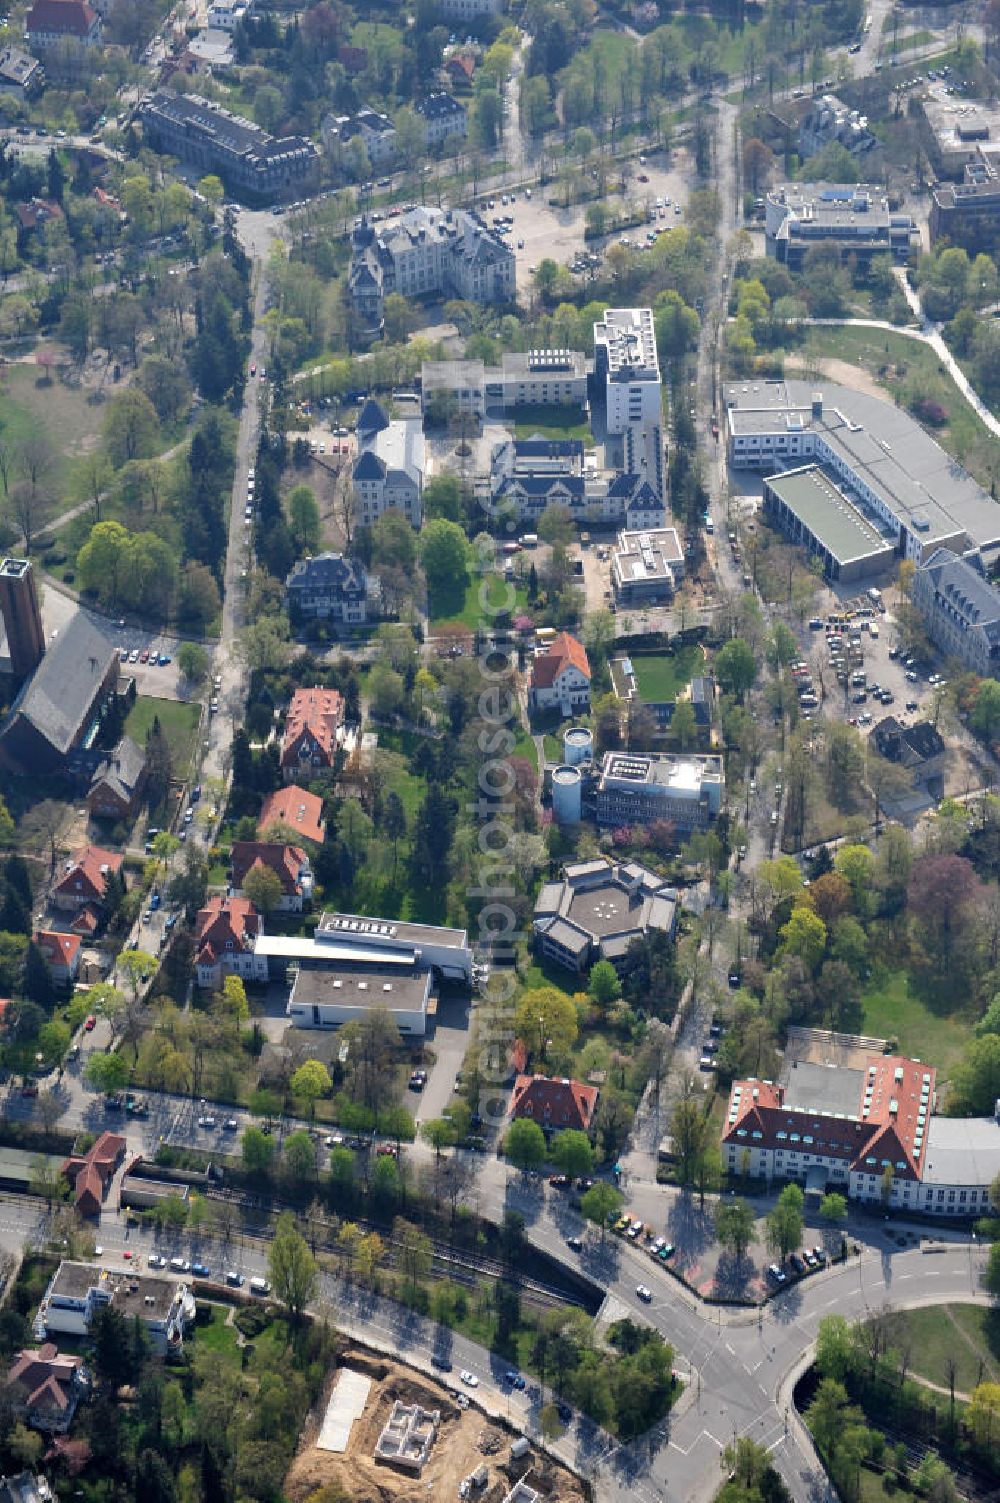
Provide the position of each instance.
(541, 229)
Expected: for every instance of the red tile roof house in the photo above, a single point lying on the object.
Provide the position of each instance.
(85, 877)
(312, 730)
(560, 678)
(91, 1174)
(294, 807)
(49, 1385)
(227, 929)
(50, 22)
(289, 863)
(553, 1104)
(61, 953)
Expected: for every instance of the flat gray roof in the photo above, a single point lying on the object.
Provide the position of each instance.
(918, 482)
(371, 986)
(962, 1151)
(355, 928)
(824, 1088)
(825, 511)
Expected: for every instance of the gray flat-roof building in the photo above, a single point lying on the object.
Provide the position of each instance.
(77, 1290)
(816, 513)
(646, 567)
(213, 139)
(855, 218)
(343, 938)
(598, 909)
(880, 458)
(330, 997)
(686, 791)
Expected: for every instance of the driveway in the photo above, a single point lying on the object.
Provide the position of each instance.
(449, 1041)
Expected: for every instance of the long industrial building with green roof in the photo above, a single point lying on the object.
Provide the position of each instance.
(814, 512)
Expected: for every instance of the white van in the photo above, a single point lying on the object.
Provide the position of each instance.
(260, 1286)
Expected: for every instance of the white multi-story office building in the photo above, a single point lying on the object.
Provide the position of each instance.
(444, 119)
(686, 791)
(625, 361)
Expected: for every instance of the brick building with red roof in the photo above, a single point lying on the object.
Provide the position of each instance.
(90, 1174)
(553, 1104)
(312, 732)
(61, 953)
(859, 1127)
(227, 929)
(559, 678)
(289, 863)
(51, 22)
(85, 878)
(293, 806)
(47, 1385)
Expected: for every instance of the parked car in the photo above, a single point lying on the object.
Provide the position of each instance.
(644, 1293)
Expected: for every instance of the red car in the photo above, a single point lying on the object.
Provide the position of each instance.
(144, 655)
(91, 1023)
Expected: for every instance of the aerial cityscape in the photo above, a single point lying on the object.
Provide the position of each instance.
(499, 751)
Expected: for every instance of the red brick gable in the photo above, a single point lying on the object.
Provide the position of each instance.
(565, 652)
(311, 726)
(225, 926)
(87, 876)
(57, 949)
(553, 1103)
(286, 861)
(71, 17)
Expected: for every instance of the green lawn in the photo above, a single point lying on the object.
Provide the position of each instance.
(179, 722)
(905, 42)
(217, 1336)
(550, 422)
(892, 1010)
(553, 748)
(661, 675)
(969, 1333)
(466, 607)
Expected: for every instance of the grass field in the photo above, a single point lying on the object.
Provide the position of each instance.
(892, 1010)
(179, 722)
(217, 1336)
(553, 747)
(62, 412)
(906, 367)
(465, 605)
(969, 1333)
(550, 422)
(661, 676)
(905, 42)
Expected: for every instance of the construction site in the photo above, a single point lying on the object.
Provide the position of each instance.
(388, 1434)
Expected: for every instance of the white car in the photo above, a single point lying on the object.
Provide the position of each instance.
(206, 1122)
(180, 1265)
(644, 1294)
(156, 1260)
(461, 1400)
(469, 1379)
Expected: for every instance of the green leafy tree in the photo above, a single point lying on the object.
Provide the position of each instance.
(833, 1208)
(439, 1133)
(572, 1153)
(734, 1225)
(785, 1221)
(736, 667)
(292, 1268)
(604, 985)
(444, 553)
(546, 1019)
(106, 1072)
(192, 659)
(299, 1155)
(258, 1151)
(311, 1081)
(600, 1202)
(304, 519)
(525, 1144)
(804, 936)
(263, 887)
